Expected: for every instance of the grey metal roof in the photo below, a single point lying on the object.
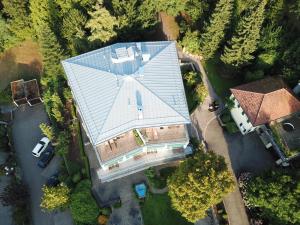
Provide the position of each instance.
(115, 94)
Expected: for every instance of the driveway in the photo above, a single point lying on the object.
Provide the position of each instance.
(242, 153)
(26, 133)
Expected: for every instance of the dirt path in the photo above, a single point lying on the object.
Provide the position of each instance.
(23, 61)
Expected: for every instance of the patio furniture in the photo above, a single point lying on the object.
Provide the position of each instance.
(140, 190)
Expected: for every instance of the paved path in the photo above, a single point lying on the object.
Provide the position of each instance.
(26, 133)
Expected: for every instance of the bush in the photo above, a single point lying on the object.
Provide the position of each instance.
(252, 76)
(105, 211)
(76, 178)
(202, 92)
(191, 78)
(191, 42)
(102, 219)
(117, 205)
(84, 208)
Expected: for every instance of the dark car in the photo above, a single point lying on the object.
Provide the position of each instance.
(53, 180)
(46, 157)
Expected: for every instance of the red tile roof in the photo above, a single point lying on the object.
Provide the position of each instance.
(266, 100)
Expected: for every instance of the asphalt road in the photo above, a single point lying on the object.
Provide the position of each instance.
(26, 133)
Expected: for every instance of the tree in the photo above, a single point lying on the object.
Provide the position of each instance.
(55, 197)
(19, 22)
(147, 14)
(102, 24)
(14, 194)
(57, 106)
(62, 148)
(51, 50)
(171, 7)
(199, 183)
(214, 32)
(5, 34)
(277, 194)
(244, 42)
(73, 28)
(191, 42)
(47, 131)
(290, 61)
(83, 207)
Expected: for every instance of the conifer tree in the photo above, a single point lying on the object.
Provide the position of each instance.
(19, 21)
(215, 31)
(244, 42)
(101, 24)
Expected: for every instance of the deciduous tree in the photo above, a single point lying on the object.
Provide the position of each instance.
(55, 197)
(277, 195)
(199, 183)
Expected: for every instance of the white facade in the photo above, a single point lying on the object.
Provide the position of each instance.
(240, 118)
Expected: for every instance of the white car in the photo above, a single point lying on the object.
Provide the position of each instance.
(40, 147)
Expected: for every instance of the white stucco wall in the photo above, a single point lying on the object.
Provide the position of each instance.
(240, 118)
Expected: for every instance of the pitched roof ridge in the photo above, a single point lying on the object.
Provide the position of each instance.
(160, 98)
(89, 67)
(248, 91)
(261, 103)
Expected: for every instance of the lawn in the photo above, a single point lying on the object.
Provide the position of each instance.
(23, 61)
(221, 84)
(157, 211)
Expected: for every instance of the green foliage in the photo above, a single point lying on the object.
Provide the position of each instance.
(277, 195)
(5, 34)
(55, 197)
(137, 137)
(171, 7)
(191, 78)
(76, 178)
(291, 62)
(147, 14)
(191, 42)
(229, 104)
(245, 41)
(47, 131)
(214, 32)
(73, 29)
(102, 24)
(195, 9)
(202, 92)
(83, 206)
(199, 183)
(254, 75)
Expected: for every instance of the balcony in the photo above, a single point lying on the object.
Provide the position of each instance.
(131, 140)
(140, 162)
(165, 134)
(117, 146)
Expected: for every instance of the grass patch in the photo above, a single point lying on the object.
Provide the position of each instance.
(23, 61)
(231, 127)
(214, 68)
(157, 210)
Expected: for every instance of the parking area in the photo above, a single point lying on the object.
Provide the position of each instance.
(26, 134)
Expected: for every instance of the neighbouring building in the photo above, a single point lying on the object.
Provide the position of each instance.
(131, 100)
(261, 102)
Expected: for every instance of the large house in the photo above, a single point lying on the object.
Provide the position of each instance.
(131, 100)
(261, 102)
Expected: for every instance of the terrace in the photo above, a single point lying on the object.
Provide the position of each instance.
(164, 134)
(117, 146)
(131, 140)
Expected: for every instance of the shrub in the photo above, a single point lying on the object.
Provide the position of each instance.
(47, 131)
(202, 92)
(76, 178)
(255, 75)
(191, 42)
(105, 211)
(102, 219)
(192, 78)
(83, 207)
(117, 205)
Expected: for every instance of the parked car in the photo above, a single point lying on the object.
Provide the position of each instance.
(53, 180)
(40, 147)
(46, 157)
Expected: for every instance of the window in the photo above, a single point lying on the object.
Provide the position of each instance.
(248, 121)
(243, 113)
(241, 124)
(238, 105)
(244, 130)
